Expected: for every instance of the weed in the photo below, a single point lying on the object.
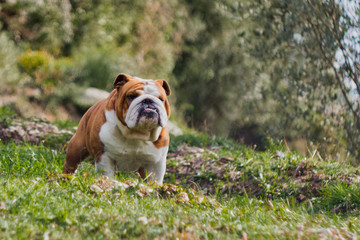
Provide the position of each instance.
(7, 114)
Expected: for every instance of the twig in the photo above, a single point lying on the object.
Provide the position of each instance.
(301, 164)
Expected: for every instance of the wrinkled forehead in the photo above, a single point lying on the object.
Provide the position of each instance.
(149, 87)
(144, 86)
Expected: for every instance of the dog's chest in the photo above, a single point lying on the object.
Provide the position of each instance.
(127, 154)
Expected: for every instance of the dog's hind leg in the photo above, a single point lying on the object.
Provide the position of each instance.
(76, 152)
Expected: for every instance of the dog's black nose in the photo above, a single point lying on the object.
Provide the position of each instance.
(147, 101)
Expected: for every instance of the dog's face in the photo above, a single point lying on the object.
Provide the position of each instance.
(141, 104)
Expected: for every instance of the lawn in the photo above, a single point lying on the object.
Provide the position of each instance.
(214, 189)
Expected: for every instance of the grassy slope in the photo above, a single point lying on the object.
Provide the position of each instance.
(240, 193)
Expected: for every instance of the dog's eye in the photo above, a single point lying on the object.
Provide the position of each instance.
(161, 99)
(131, 97)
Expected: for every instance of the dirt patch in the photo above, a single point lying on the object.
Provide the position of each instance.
(191, 167)
(206, 174)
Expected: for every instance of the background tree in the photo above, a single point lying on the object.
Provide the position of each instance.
(212, 72)
(317, 44)
(343, 28)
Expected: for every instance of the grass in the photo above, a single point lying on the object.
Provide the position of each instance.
(6, 115)
(239, 193)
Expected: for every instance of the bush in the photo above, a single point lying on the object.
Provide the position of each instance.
(7, 114)
(9, 73)
(95, 68)
(33, 61)
(45, 71)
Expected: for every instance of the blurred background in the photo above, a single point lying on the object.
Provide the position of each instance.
(249, 70)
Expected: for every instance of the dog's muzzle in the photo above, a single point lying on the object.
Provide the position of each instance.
(148, 111)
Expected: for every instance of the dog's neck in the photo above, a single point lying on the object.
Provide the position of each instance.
(140, 134)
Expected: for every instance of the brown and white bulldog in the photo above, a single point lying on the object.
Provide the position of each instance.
(126, 131)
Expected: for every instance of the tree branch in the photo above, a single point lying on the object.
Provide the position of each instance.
(318, 37)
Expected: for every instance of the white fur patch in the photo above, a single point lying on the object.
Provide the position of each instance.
(105, 166)
(150, 86)
(126, 154)
(151, 89)
(142, 80)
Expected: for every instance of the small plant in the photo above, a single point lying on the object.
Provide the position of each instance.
(45, 71)
(7, 114)
(9, 73)
(33, 61)
(340, 197)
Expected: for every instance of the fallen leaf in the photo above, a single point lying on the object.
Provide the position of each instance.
(143, 220)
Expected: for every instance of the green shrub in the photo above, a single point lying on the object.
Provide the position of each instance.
(33, 61)
(6, 115)
(96, 67)
(45, 71)
(339, 197)
(9, 73)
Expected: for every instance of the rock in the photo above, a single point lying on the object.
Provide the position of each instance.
(32, 93)
(90, 96)
(31, 131)
(173, 129)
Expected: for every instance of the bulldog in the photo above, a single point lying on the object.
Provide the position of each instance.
(126, 131)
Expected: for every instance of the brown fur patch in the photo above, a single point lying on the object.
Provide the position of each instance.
(142, 172)
(111, 100)
(86, 139)
(122, 102)
(163, 94)
(163, 140)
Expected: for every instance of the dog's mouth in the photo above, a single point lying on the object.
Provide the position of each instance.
(148, 116)
(149, 110)
(145, 115)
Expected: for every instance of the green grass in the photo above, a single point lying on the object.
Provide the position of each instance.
(239, 193)
(6, 115)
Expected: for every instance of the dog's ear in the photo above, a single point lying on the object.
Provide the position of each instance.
(120, 80)
(165, 85)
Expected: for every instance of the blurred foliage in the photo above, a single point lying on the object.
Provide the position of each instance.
(45, 71)
(9, 73)
(42, 24)
(32, 61)
(233, 65)
(7, 114)
(266, 71)
(298, 41)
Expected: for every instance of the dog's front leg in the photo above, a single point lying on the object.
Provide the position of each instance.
(156, 172)
(105, 166)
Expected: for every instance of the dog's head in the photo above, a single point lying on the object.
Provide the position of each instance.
(141, 105)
